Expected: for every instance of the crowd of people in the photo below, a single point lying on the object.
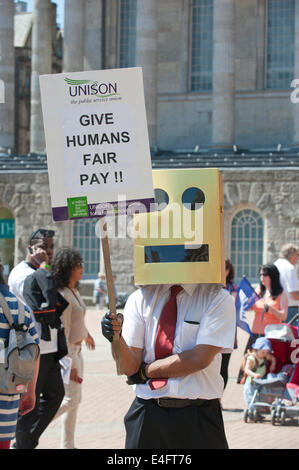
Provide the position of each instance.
(48, 285)
(278, 302)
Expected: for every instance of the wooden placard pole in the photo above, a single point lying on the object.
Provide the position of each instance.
(111, 294)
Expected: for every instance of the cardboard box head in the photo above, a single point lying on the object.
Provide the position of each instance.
(182, 242)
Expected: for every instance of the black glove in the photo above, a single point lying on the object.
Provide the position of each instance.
(140, 377)
(107, 328)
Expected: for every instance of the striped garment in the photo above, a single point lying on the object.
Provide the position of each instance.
(9, 404)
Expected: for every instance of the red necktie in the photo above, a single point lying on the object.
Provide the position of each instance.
(165, 333)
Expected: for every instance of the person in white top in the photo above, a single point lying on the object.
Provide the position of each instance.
(205, 329)
(174, 327)
(49, 387)
(286, 265)
(67, 268)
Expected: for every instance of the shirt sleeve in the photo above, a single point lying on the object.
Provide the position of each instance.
(291, 280)
(133, 330)
(218, 325)
(66, 316)
(46, 283)
(252, 359)
(16, 285)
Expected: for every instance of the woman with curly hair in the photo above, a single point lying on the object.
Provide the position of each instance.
(67, 268)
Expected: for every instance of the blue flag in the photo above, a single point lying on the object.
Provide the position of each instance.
(246, 297)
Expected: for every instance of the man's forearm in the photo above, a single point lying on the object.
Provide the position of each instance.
(182, 364)
(131, 357)
(295, 295)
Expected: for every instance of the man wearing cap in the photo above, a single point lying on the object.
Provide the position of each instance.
(49, 382)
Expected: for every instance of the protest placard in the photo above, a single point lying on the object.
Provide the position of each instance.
(97, 149)
(97, 141)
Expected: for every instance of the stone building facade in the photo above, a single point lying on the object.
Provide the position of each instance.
(217, 76)
(273, 194)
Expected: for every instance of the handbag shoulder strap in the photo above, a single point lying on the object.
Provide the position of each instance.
(6, 310)
(21, 310)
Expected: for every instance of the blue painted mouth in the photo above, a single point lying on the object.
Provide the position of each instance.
(176, 254)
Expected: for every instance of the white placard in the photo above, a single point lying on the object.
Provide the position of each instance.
(97, 141)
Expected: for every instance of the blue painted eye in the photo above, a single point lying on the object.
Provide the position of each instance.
(161, 199)
(193, 198)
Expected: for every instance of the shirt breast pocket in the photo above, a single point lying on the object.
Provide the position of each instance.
(188, 334)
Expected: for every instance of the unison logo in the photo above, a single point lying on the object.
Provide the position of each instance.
(91, 88)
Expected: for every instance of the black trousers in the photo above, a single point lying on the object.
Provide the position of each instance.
(49, 395)
(149, 426)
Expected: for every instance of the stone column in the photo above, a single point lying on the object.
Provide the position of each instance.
(93, 35)
(296, 77)
(41, 63)
(73, 44)
(146, 57)
(223, 133)
(7, 75)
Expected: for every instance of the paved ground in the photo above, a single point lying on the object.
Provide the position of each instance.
(107, 397)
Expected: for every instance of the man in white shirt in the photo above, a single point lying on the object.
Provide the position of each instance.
(49, 382)
(286, 265)
(205, 329)
(178, 324)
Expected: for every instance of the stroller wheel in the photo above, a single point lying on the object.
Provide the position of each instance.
(255, 416)
(282, 417)
(273, 417)
(246, 416)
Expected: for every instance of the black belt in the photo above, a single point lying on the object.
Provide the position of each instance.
(177, 402)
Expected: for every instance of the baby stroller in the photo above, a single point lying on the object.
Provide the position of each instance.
(277, 394)
(287, 406)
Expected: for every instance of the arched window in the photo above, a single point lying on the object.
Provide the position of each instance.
(247, 243)
(88, 244)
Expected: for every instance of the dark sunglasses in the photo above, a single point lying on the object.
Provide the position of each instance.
(41, 233)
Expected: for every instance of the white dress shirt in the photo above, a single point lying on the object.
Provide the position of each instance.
(288, 279)
(206, 315)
